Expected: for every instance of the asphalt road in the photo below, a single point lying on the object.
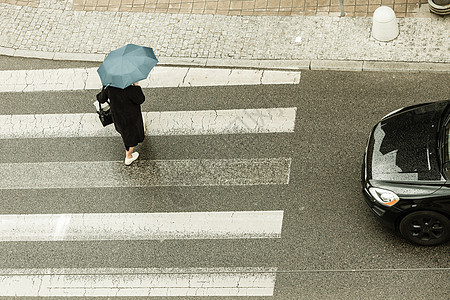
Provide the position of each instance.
(331, 247)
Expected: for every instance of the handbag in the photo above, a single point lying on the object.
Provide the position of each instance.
(104, 114)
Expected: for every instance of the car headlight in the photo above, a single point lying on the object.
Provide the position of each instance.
(384, 197)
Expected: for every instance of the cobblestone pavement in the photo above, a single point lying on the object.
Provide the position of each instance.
(352, 8)
(57, 27)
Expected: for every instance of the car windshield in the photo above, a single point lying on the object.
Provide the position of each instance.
(405, 146)
(444, 144)
(446, 151)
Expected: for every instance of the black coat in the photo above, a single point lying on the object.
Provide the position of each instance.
(126, 112)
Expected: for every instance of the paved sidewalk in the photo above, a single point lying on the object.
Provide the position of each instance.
(58, 29)
(352, 8)
(360, 8)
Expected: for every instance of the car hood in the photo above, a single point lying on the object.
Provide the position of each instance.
(404, 147)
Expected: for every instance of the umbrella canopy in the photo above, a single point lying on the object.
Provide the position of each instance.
(127, 65)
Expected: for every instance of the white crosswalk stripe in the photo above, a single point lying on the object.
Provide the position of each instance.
(149, 226)
(142, 226)
(219, 282)
(232, 121)
(87, 78)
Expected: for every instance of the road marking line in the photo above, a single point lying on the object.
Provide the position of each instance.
(364, 270)
(141, 226)
(145, 173)
(87, 78)
(204, 122)
(220, 282)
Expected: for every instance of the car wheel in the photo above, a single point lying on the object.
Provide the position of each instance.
(426, 228)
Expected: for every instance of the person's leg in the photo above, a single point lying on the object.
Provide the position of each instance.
(130, 156)
(129, 152)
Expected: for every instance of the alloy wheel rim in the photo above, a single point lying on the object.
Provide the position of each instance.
(426, 228)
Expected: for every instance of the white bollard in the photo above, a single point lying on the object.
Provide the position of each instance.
(385, 26)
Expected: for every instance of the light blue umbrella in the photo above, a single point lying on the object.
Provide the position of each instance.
(127, 65)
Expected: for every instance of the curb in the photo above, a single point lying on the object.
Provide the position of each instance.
(267, 64)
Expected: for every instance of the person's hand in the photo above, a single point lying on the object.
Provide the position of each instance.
(136, 83)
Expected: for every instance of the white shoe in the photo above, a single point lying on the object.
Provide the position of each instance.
(134, 155)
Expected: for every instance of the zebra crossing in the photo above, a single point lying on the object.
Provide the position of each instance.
(143, 226)
(88, 79)
(236, 121)
(139, 282)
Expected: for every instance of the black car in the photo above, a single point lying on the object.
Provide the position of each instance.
(406, 172)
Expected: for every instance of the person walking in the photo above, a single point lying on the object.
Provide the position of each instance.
(127, 116)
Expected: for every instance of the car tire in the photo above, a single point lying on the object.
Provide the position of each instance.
(427, 228)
